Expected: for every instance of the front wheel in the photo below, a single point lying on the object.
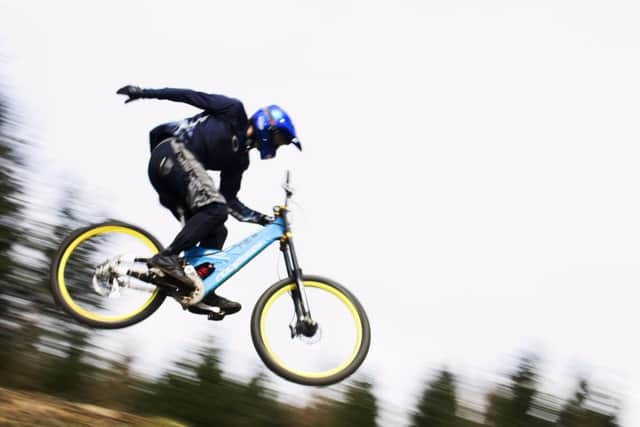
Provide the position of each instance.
(322, 356)
(75, 273)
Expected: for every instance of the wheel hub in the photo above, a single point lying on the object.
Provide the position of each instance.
(306, 330)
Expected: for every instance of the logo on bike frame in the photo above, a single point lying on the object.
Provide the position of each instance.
(241, 259)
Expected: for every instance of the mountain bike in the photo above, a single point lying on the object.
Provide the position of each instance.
(308, 329)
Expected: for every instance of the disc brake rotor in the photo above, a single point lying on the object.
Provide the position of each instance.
(109, 277)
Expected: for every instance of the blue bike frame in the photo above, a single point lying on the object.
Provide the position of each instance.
(228, 262)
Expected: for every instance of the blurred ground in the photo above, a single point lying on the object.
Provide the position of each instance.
(21, 409)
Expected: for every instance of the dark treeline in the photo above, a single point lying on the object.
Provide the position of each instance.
(43, 350)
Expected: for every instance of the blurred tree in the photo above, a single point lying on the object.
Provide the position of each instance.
(170, 394)
(573, 410)
(509, 406)
(69, 375)
(42, 240)
(266, 410)
(66, 344)
(11, 195)
(115, 385)
(191, 391)
(10, 191)
(357, 408)
(21, 367)
(438, 404)
(208, 371)
(195, 392)
(588, 409)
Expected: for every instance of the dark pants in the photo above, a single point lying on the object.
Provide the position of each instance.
(188, 192)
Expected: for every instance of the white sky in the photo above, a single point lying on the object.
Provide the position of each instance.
(469, 168)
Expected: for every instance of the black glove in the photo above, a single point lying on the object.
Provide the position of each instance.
(242, 213)
(133, 92)
(263, 219)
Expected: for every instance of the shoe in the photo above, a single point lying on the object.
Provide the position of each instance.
(171, 265)
(213, 303)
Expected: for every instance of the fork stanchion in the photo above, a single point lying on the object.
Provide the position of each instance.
(294, 270)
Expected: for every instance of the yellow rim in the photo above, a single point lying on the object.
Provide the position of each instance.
(346, 301)
(65, 258)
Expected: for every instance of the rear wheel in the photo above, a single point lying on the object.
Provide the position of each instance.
(77, 285)
(319, 355)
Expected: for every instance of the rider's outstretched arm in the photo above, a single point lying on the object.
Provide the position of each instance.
(214, 104)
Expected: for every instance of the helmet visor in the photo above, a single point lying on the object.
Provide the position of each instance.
(280, 137)
(283, 137)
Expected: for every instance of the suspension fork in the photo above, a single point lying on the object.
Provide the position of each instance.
(300, 302)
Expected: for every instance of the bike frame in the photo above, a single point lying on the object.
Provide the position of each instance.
(230, 261)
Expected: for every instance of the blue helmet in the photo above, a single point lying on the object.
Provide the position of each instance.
(273, 128)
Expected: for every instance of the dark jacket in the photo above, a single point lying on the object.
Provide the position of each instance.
(216, 136)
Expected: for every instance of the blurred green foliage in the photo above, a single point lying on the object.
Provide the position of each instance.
(438, 404)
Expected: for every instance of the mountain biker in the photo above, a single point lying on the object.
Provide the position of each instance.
(219, 138)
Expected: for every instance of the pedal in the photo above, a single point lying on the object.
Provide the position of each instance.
(216, 316)
(196, 310)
